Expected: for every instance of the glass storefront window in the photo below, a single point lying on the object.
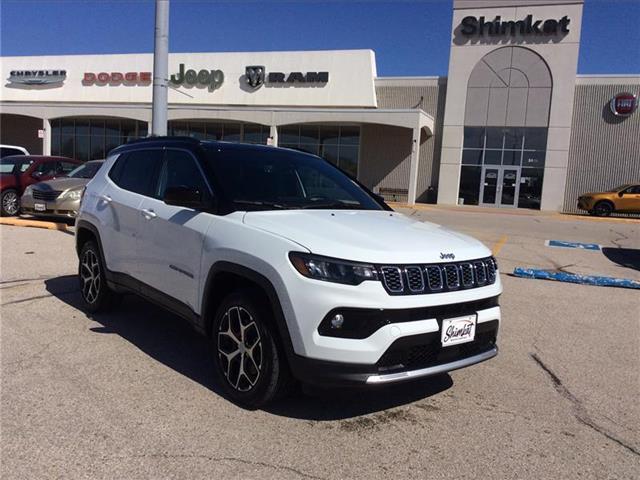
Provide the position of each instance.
(495, 137)
(309, 134)
(470, 184)
(340, 144)
(86, 138)
(530, 188)
(513, 138)
(533, 159)
(472, 157)
(535, 139)
(473, 137)
(511, 157)
(493, 157)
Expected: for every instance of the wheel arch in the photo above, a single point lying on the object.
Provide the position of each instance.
(225, 277)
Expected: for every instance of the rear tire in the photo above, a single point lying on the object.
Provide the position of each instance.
(252, 368)
(10, 203)
(603, 209)
(96, 294)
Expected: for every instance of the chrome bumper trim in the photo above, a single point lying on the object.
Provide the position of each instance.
(424, 372)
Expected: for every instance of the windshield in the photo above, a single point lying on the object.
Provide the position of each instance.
(14, 164)
(621, 187)
(281, 179)
(88, 170)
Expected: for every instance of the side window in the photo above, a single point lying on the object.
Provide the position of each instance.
(137, 172)
(635, 189)
(180, 170)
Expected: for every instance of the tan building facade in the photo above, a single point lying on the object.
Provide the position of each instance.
(510, 126)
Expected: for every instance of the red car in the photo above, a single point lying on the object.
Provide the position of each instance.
(19, 171)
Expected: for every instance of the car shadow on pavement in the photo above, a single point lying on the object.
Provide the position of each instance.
(625, 257)
(168, 339)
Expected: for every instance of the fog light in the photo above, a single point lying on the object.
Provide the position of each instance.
(337, 321)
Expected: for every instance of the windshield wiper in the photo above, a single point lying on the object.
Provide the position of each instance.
(337, 204)
(261, 203)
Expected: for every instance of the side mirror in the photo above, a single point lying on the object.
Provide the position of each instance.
(182, 196)
(36, 175)
(620, 194)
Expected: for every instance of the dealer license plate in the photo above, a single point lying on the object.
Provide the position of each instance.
(39, 207)
(458, 330)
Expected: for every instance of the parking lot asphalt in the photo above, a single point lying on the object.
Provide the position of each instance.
(130, 394)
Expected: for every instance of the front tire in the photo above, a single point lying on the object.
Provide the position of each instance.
(10, 203)
(96, 294)
(251, 367)
(602, 209)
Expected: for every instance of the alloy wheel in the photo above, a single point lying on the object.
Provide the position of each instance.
(240, 349)
(10, 203)
(90, 276)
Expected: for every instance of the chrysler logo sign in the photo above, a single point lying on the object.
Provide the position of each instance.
(623, 104)
(37, 77)
(255, 76)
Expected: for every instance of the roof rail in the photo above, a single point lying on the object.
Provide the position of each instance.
(164, 138)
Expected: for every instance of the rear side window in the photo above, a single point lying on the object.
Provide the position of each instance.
(6, 151)
(137, 171)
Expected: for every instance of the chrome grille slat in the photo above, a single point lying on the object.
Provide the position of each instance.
(392, 277)
(452, 276)
(466, 275)
(415, 281)
(434, 278)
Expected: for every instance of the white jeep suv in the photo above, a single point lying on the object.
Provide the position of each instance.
(291, 268)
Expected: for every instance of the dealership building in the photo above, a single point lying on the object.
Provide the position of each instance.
(511, 125)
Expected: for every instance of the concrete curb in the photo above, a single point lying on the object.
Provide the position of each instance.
(574, 278)
(19, 222)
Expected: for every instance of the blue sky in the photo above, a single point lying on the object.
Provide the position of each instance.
(409, 37)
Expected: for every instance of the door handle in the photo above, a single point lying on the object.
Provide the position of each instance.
(148, 213)
(106, 198)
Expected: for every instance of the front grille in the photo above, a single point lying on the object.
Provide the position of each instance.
(422, 351)
(420, 279)
(46, 195)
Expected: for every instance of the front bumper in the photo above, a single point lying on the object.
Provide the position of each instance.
(407, 359)
(53, 208)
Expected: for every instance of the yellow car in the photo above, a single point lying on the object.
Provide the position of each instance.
(623, 199)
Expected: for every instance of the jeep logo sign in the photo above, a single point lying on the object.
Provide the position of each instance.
(207, 78)
(623, 104)
(471, 26)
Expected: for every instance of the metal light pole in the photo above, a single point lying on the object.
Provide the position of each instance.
(160, 69)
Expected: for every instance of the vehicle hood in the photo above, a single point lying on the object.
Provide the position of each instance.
(368, 236)
(61, 184)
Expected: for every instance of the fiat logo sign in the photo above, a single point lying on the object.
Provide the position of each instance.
(623, 104)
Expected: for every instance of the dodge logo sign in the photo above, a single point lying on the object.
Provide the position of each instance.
(254, 76)
(623, 104)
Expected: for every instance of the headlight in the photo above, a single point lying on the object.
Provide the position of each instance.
(28, 190)
(331, 269)
(73, 194)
